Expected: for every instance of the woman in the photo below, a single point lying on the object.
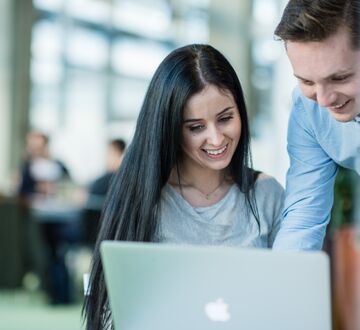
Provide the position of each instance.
(186, 177)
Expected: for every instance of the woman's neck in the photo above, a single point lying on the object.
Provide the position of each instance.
(199, 177)
(200, 187)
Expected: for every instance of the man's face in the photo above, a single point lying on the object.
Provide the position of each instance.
(329, 73)
(36, 145)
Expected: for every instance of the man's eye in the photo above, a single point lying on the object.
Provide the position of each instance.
(307, 82)
(340, 78)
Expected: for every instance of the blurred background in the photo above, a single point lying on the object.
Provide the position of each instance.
(73, 74)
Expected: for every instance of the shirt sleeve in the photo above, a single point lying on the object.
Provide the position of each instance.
(309, 185)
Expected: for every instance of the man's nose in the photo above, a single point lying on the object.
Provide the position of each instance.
(325, 96)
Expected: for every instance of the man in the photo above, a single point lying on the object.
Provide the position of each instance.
(39, 172)
(99, 188)
(323, 45)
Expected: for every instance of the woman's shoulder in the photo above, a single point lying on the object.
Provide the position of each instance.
(267, 184)
(270, 197)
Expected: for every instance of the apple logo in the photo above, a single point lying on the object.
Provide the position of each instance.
(217, 310)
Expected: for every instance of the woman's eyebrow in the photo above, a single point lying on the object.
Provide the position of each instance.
(226, 109)
(219, 114)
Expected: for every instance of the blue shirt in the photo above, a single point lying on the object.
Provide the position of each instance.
(317, 144)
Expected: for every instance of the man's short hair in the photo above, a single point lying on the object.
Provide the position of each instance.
(316, 20)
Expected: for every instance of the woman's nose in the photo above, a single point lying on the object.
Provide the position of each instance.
(215, 136)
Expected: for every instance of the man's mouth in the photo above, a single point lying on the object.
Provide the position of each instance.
(339, 106)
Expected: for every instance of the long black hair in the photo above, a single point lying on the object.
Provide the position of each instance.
(131, 208)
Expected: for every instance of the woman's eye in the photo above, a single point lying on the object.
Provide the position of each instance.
(225, 119)
(196, 128)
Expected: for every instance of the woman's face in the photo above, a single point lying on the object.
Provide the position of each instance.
(211, 129)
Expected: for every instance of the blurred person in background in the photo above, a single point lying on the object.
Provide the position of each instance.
(39, 172)
(187, 176)
(48, 230)
(322, 41)
(98, 189)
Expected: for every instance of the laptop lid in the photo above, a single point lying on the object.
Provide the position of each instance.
(177, 287)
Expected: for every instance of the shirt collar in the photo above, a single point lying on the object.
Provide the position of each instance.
(357, 118)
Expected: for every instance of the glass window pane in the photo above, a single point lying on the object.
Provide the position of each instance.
(150, 19)
(194, 28)
(87, 48)
(51, 5)
(85, 95)
(47, 38)
(46, 73)
(95, 11)
(44, 112)
(127, 98)
(265, 12)
(137, 58)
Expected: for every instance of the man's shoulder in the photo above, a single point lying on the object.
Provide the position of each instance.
(305, 106)
(101, 184)
(311, 125)
(309, 112)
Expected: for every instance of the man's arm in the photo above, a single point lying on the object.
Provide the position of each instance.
(309, 186)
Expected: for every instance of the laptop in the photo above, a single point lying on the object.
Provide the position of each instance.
(180, 287)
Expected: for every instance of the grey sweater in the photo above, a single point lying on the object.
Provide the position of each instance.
(227, 222)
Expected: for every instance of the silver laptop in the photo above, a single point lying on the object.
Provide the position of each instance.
(177, 287)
